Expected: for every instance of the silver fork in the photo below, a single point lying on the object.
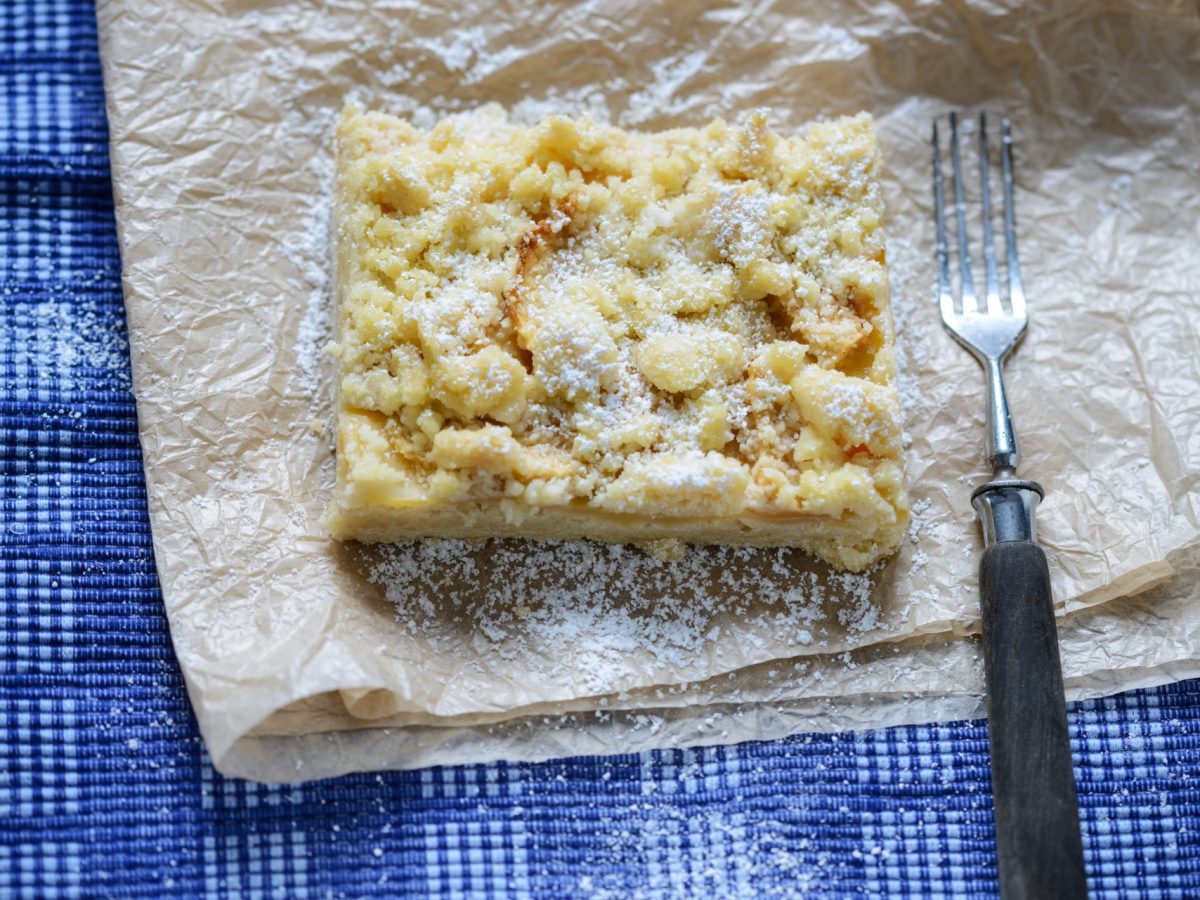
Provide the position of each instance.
(1039, 849)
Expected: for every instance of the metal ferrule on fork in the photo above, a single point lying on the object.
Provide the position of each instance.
(1007, 510)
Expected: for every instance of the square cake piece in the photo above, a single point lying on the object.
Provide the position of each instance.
(570, 330)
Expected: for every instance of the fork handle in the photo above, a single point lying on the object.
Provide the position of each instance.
(1037, 820)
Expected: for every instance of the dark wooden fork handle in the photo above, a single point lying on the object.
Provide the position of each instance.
(1037, 824)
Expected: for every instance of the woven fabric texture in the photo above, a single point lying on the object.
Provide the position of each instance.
(105, 788)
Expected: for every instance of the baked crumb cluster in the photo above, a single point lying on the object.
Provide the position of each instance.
(572, 330)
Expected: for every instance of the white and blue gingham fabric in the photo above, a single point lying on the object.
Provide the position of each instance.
(105, 789)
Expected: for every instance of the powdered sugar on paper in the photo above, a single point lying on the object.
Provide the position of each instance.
(612, 611)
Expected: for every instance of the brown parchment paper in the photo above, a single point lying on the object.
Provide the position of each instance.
(304, 658)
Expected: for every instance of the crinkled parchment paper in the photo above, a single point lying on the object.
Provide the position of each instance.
(305, 658)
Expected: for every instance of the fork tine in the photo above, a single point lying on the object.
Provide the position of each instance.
(945, 297)
(991, 280)
(1016, 289)
(969, 302)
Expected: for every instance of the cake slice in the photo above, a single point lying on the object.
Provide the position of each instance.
(570, 330)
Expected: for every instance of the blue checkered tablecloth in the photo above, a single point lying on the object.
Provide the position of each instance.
(105, 788)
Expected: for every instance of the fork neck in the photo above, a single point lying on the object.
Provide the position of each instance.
(1002, 453)
(1007, 507)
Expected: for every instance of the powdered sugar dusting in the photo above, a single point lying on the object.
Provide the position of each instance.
(740, 222)
(68, 334)
(616, 613)
(309, 249)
